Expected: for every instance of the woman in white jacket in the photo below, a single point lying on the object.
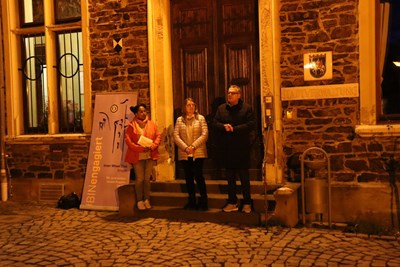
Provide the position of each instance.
(190, 135)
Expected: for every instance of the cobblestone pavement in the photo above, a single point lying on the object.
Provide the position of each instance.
(40, 235)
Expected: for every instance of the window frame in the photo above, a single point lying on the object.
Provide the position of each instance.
(12, 58)
(381, 116)
(369, 125)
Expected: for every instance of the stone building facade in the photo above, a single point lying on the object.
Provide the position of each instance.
(329, 123)
(326, 123)
(33, 161)
(363, 166)
(360, 163)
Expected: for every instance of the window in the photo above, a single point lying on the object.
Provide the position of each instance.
(68, 64)
(51, 66)
(388, 19)
(70, 73)
(67, 10)
(31, 12)
(34, 83)
(371, 120)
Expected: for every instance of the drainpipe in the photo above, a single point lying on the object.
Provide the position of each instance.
(3, 173)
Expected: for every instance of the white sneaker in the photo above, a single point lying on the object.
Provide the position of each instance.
(141, 205)
(231, 207)
(147, 204)
(246, 208)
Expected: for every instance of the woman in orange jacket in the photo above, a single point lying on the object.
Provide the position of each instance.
(143, 139)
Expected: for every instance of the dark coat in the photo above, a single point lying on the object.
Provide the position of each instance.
(234, 147)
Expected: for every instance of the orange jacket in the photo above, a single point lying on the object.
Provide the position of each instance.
(131, 139)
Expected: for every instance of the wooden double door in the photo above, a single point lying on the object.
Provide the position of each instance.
(215, 44)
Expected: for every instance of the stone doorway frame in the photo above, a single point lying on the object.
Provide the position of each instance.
(161, 99)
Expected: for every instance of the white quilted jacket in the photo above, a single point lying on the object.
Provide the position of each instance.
(200, 136)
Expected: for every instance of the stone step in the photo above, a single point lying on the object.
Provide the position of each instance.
(215, 201)
(169, 197)
(213, 186)
(211, 215)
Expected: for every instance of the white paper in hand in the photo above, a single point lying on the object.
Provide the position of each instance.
(144, 141)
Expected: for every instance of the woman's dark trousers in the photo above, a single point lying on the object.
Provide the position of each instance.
(193, 169)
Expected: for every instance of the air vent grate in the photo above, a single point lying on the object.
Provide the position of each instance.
(50, 192)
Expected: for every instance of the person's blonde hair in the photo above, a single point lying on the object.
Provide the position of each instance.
(189, 99)
(234, 86)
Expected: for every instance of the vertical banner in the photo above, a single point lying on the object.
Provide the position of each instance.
(106, 169)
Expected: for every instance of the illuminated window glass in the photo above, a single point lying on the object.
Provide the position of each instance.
(32, 12)
(67, 10)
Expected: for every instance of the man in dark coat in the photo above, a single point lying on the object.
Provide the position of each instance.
(233, 122)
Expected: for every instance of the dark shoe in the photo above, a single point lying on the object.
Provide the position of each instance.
(190, 206)
(203, 204)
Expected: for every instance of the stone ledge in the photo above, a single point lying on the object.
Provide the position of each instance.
(388, 130)
(320, 92)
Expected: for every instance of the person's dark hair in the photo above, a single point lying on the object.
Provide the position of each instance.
(135, 109)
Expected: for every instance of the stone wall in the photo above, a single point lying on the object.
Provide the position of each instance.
(35, 161)
(319, 26)
(331, 25)
(127, 69)
(52, 160)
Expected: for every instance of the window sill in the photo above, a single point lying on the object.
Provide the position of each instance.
(378, 130)
(46, 138)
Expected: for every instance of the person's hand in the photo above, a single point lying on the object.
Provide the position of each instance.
(189, 150)
(228, 127)
(153, 146)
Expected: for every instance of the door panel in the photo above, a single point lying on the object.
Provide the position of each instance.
(239, 70)
(192, 49)
(214, 45)
(194, 62)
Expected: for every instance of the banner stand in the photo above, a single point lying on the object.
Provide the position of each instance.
(106, 169)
